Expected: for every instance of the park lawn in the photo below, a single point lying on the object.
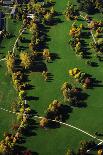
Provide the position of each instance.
(7, 97)
(7, 92)
(7, 44)
(56, 141)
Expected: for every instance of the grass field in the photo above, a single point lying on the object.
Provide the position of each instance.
(56, 141)
(7, 92)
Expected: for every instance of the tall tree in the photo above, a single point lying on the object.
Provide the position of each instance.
(25, 60)
(10, 62)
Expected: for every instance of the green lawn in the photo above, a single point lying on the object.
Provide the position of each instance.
(7, 44)
(7, 97)
(55, 141)
(7, 92)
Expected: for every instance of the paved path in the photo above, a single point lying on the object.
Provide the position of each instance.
(3, 59)
(69, 125)
(18, 39)
(65, 124)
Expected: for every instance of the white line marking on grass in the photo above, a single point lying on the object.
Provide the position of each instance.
(96, 145)
(18, 39)
(3, 59)
(69, 125)
(6, 110)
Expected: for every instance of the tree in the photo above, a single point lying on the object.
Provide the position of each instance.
(70, 12)
(10, 62)
(46, 54)
(22, 95)
(33, 27)
(66, 90)
(69, 152)
(54, 106)
(66, 85)
(90, 6)
(48, 17)
(43, 122)
(86, 5)
(53, 111)
(100, 152)
(25, 60)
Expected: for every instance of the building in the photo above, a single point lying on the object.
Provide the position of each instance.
(1, 1)
(2, 21)
(8, 2)
(13, 11)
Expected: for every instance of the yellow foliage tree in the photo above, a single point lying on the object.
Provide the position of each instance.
(25, 60)
(43, 122)
(10, 62)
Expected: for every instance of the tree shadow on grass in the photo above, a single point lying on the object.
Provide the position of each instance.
(29, 87)
(65, 111)
(23, 48)
(54, 56)
(53, 125)
(94, 82)
(54, 21)
(94, 64)
(85, 35)
(30, 98)
(39, 67)
(50, 77)
(21, 150)
(49, 4)
(30, 130)
(62, 115)
(78, 98)
(43, 43)
(25, 40)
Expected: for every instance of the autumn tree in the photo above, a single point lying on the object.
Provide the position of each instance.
(43, 122)
(25, 60)
(10, 62)
(69, 152)
(66, 90)
(46, 54)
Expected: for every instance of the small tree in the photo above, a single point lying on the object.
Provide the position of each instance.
(10, 62)
(46, 54)
(43, 122)
(25, 60)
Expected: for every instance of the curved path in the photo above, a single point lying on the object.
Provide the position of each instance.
(65, 124)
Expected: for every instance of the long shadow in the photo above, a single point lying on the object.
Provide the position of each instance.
(30, 129)
(54, 56)
(50, 77)
(53, 125)
(44, 38)
(39, 67)
(64, 111)
(25, 40)
(21, 150)
(23, 47)
(85, 35)
(30, 98)
(29, 87)
(49, 4)
(55, 21)
(78, 99)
